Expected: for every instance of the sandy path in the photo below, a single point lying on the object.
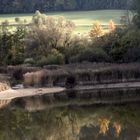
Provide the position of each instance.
(11, 94)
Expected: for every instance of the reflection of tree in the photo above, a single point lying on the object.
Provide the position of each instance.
(66, 126)
(117, 126)
(58, 123)
(104, 125)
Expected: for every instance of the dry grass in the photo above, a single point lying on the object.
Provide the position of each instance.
(28, 79)
(83, 74)
(88, 73)
(4, 86)
(37, 78)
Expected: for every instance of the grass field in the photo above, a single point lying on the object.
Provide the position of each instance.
(82, 19)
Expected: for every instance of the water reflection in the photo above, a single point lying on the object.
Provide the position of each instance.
(69, 122)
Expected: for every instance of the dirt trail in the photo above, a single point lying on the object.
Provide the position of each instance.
(11, 94)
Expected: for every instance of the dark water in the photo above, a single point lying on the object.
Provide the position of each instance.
(36, 121)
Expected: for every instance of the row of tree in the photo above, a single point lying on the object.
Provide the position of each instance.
(24, 6)
(51, 41)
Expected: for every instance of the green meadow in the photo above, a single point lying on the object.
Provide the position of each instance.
(82, 19)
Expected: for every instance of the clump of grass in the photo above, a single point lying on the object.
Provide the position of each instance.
(4, 86)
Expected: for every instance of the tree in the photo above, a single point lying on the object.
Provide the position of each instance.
(136, 19)
(12, 47)
(111, 26)
(96, 30)
(47, 33)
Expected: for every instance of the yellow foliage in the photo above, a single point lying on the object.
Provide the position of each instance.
(96, 30)
(112, 26)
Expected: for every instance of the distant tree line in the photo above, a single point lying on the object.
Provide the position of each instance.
(26, 6)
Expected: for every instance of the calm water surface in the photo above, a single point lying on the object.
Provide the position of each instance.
(36, 121)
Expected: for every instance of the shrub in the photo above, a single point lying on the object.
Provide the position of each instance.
(91, 55)
(17, 19)
(12, 47)
(132, 55)
(53, 58)
(29, 61)
(76, 46)
(131, 39)
(42, 61)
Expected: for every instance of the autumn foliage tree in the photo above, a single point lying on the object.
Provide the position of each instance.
(111, 26)
(96, 30)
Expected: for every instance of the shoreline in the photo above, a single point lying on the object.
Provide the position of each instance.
(11, 94)
(28, 92)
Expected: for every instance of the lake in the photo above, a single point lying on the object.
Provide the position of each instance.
(42, 118)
